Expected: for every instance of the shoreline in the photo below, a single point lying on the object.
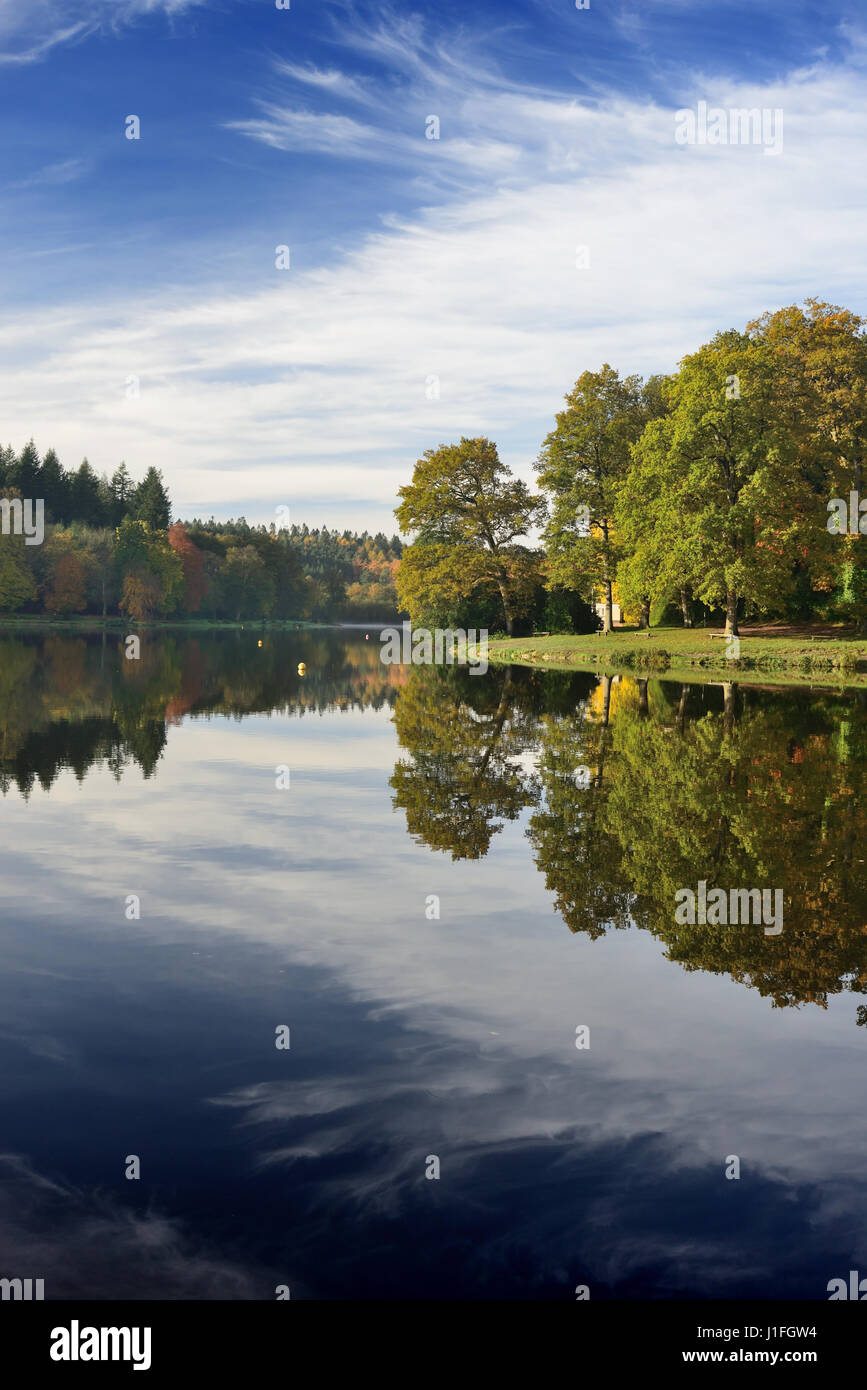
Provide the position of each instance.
(90, 623)
(691, 655)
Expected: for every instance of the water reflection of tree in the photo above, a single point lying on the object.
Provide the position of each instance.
(579, 855)
(464, 779)
(76, 701)
(641, 788)
(745, 790)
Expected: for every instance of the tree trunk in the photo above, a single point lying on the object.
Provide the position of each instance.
(498, 722)
(680, 719)
(729, 693)
(731, 614)
(607, 613)
(606, 699)
(644, 618)
(684, 608)
(507, 606)
(643, 707)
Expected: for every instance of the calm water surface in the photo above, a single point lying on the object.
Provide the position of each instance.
(553, 818)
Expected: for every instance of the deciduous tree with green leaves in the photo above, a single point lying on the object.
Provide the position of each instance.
(17, 582)
(247, 587)
(64, 589)
(582, 465)
(147, 555)
(17, 585)
(820, 352)
(468, 513)
(718, 475)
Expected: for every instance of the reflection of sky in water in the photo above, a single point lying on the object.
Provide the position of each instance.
(409, 1037)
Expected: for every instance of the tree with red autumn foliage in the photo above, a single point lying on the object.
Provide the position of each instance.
(193, 561)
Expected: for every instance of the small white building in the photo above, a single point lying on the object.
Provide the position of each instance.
(616, 612)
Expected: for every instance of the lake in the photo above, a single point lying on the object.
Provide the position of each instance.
(373, 976)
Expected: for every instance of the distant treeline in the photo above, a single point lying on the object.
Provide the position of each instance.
(109, 548)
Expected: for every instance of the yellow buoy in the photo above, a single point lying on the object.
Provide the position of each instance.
(260, 641)
(302, 668)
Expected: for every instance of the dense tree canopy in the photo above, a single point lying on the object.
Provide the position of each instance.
(707, 489)
(468, 511)
(718, 475)
(583, 465)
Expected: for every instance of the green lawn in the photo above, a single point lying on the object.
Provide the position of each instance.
(787, 652)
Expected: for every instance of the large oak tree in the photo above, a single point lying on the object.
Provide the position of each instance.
(467, 512)
(718, 479)
(583, 464)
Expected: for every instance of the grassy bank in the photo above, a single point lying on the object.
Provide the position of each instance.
(770, 654)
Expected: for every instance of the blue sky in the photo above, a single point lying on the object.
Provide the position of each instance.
(433, 289)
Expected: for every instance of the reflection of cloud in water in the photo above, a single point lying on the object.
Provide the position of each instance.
(535, 1194)
(85, 1244)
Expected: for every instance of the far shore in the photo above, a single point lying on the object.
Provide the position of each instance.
(91, 622)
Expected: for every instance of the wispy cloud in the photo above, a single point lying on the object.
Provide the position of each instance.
(25, 49)
(52, 175)
(416, 76)
(287, 129)
(332, 80)
(119, 1251)
(30, 29)
(309, 132)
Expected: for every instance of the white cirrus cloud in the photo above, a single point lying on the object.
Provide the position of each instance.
(30, 29)
(332, 80)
